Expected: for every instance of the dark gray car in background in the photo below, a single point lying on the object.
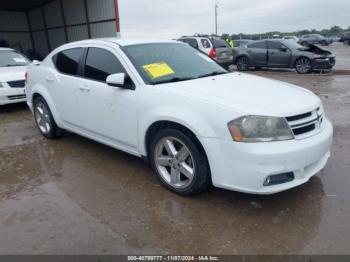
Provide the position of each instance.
(315, 39)
(282, 53)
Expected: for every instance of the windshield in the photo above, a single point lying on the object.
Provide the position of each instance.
(12, 58)
(170, 62)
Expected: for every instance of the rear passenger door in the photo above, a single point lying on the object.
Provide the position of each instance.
(109, 113)
(279, 55)
(63, 84)
(258, 53)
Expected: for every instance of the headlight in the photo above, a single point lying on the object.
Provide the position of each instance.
(260, 129)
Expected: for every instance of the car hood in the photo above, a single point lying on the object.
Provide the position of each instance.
(316, 50)
(12, 73)
(249, 94)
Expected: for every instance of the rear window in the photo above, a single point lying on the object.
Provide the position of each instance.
(67, 61)
(219, 43)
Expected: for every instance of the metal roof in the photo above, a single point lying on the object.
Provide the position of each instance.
(21, 5)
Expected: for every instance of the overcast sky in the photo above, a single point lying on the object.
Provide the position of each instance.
(174, 18)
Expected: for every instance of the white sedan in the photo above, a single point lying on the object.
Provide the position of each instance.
(196, 123)
(13, 67)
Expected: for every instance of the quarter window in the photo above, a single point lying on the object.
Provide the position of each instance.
(67, 61)
(100, 64)
(205, 43)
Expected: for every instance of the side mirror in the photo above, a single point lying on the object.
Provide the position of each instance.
(120, 80)
(117, 80)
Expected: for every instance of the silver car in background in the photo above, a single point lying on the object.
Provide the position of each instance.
(214, 47)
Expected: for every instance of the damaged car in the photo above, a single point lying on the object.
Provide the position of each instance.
(283, 53)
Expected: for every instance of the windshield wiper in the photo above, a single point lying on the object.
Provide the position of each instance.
(215, 73)
(173, 80)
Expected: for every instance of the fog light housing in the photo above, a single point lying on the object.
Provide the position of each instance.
(279, 179)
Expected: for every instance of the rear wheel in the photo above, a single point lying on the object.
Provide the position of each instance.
(44, 120)
(303, 65)
(179, 162)
(324, 43)
(243, 63)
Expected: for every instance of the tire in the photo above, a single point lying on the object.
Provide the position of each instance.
(324, 43)
(243, 63)
(347, 42)
(303, 65)
(303, 43)
(44, 120)
(179, 162)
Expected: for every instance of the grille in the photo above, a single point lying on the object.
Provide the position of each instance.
(306, 124)
(16, 97)
(16, 84)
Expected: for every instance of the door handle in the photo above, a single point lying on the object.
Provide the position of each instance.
(49, 79)
(84, 88)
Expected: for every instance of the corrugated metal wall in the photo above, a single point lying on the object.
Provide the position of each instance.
(52, 26)
(14, 29)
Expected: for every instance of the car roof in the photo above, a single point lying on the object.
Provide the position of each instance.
(124, 41)
(6, 49)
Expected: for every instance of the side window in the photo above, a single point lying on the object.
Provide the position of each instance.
(261, 45)
(100, 64)
(67, 61)
(192, 42)
(205, 43)
(275, 45)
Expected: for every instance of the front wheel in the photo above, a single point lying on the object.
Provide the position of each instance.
(243, 63)
(303, 65)
(44, 120)
(179, 162)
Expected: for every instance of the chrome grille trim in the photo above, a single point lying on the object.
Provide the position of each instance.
(306, 124)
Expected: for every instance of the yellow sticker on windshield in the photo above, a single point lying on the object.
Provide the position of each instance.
(157, 70)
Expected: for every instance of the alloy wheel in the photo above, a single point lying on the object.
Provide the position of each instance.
(243, 64)
(174, 162)
(42, 117)
(303, 65)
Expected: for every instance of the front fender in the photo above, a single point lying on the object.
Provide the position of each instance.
(189, 119)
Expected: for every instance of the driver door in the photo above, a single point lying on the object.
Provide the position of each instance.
(106, 112)
(279, 55)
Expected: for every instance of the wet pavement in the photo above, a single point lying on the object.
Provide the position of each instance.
(75, 196)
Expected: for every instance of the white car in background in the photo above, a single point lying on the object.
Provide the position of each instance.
(195, 122)
(13, 66)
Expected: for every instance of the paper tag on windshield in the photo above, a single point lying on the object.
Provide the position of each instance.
(158, 70)
(19, 60)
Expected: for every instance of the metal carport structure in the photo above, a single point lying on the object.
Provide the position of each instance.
(42, 25)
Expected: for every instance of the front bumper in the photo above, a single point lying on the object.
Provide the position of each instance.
(12, 95)
(245, 166)
(324, 63)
